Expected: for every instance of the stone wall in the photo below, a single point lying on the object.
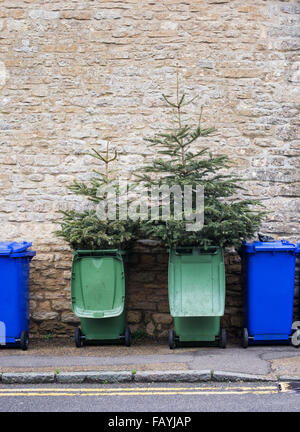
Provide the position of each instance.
(78, 73)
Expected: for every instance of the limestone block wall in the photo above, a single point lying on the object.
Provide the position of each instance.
(78, 73)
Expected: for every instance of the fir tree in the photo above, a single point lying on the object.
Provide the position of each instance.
(227, 219)
(85, 230)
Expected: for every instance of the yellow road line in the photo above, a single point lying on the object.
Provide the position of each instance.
(132, 389)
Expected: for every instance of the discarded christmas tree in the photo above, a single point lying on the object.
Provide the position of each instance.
(227, 219)
(90, 229)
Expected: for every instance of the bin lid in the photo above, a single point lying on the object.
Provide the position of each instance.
(9, 248)
(271, 246)
(196, 283)
(98, 284)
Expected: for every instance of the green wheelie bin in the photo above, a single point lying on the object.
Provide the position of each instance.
(98, 296)
(196, 295)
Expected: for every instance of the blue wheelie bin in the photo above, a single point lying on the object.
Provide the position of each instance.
(14, 293)
(269, 276)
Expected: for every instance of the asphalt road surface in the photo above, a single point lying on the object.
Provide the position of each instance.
(179, 397)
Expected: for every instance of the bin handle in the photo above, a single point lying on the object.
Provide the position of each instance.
(190, 250)
(180, 251)
(92, 253)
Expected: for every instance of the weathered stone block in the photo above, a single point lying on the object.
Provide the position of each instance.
(43, 14)
(290, 8)
(161, 318)
(150, 329)
(77, 15)
(134, 317)
(43, 315)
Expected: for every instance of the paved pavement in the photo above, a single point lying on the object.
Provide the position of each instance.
(63, 356)
(136, 398)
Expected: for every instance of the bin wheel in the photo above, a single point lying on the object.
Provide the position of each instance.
(172, 339)
(127, 337)
(223, 338)
(78, 338)
(292, 340)
(245, 338)
(24, 340)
